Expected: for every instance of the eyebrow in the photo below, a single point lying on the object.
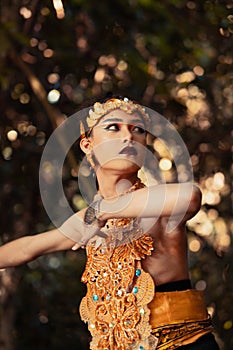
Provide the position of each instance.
(119, 120)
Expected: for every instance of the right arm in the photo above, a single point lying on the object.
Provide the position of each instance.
(27, 248)
(71, 235)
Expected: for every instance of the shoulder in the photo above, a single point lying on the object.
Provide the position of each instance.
(196, 197)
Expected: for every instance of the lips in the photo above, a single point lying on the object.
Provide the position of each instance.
(131, 151)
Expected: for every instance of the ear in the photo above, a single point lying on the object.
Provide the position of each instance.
(85, 145)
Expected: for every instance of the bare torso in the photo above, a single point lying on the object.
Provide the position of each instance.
(168, 261)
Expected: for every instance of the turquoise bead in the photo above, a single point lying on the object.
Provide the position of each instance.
(138, 272)
(141, 347)
(95, 297)
(135, 290)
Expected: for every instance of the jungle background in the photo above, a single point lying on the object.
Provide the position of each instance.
(174, 56)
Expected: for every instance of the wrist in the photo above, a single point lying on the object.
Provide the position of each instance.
(92, 214)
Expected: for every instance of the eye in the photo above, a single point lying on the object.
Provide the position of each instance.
(139, 129)
(112, 127)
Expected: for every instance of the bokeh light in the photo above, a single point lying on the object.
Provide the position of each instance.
(12, 135)
(53, 96)
(58, 5)
(25, 12)
(165, 164)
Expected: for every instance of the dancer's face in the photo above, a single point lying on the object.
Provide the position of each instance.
(118, 141)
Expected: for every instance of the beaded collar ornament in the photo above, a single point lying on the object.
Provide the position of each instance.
(99, 110)
(118, 289)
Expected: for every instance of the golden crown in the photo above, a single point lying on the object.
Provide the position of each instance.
(101, 109)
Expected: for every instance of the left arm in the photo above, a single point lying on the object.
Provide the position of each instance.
(176, 200)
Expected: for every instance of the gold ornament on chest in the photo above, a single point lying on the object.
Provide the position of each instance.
(118, 289)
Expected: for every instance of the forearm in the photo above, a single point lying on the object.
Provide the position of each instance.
(71, 235)
(154, 201)
(27, 248)
(16, 252)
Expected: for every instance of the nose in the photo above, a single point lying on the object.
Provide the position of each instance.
(127, 134)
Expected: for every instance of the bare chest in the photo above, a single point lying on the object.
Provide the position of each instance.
(168, 261)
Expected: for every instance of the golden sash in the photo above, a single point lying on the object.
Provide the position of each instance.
(178, 318)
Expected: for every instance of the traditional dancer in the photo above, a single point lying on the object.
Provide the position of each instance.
(139, 294)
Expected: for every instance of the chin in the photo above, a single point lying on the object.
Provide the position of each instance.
(121, 165)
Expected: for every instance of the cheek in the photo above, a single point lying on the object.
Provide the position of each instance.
(141, 150)
(142, 139)
(106, 151)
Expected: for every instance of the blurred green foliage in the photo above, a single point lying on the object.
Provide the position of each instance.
(174, 56)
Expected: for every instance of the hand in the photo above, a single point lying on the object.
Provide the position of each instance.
(77, 230)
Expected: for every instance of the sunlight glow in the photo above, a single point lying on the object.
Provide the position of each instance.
(194, 245)
(99, 75)
(7, 153)
(198, 70)
(53, 78)
(185, 77)
(165, 164)
(25, 12)
(122, 65)
(48, 53)
(59, 8)
(53, 96)
(12, 135)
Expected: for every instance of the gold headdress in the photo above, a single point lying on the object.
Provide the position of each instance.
(99, 110)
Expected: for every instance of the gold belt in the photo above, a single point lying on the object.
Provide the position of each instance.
(178, 318)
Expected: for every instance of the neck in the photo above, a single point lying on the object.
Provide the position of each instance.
(113, 185)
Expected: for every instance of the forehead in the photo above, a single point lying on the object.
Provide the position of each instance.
(117, 115)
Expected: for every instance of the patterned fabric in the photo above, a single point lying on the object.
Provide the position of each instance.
(173, 336)
(179, 318)
(118, 289)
